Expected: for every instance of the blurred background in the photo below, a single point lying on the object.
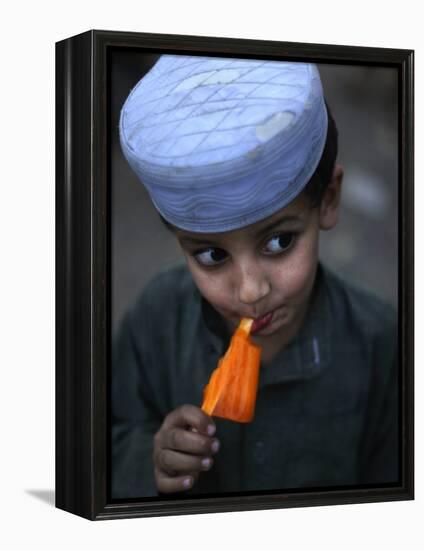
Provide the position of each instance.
(362, 248)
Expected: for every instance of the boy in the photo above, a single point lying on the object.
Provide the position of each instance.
(239, 159)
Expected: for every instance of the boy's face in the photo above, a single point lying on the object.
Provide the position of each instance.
(265, 270)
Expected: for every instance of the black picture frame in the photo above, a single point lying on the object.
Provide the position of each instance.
(83, 270)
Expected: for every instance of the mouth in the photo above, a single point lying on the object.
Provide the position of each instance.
(261, 322)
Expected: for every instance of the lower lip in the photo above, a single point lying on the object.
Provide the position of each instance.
(262, 322)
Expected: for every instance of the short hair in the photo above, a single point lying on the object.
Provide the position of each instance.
(316, 186)
(320, 179)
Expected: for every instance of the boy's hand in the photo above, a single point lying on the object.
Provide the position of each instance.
(183, 447)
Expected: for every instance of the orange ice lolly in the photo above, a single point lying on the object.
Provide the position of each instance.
(233, 385)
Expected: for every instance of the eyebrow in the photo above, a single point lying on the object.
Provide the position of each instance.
(277, 223)
(266, 229)
(196, 241)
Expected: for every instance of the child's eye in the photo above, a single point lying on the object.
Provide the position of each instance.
(211, 256)
(279, 243)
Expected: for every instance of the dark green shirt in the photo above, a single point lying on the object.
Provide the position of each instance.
(326, 411)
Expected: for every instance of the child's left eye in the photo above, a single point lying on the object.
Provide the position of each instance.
(279, 243)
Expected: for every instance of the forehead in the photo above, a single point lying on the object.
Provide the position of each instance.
(294, 214)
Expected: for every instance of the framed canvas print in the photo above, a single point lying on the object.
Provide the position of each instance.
(234, 240)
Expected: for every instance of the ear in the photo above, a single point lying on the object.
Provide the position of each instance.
(329, 207)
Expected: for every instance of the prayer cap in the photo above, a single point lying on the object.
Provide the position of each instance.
(222, 143)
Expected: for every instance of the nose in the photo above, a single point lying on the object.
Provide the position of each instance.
(252, 284)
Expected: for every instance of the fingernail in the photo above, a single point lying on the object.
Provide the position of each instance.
(187, 482)
(206, 463)
(215, 446)
(211, 429)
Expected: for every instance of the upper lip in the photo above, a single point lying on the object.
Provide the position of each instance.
(263, 315)
(257, 317)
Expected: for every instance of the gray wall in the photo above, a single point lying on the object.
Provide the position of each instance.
(363, 247)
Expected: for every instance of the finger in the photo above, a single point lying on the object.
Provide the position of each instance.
(167, 484)
(175, 463)
(195, 443)
(191, 416)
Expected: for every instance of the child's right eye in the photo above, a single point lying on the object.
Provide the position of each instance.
(210, 256)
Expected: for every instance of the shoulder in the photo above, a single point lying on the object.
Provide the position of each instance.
(166, 293)
(166, 290)
(364, 335)
(362, 312)
(169, 284)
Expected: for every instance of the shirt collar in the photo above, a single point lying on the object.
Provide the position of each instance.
(305, 356)
(308, 354)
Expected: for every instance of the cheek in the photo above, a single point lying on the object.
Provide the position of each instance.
(297, 274)
(211, 286)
